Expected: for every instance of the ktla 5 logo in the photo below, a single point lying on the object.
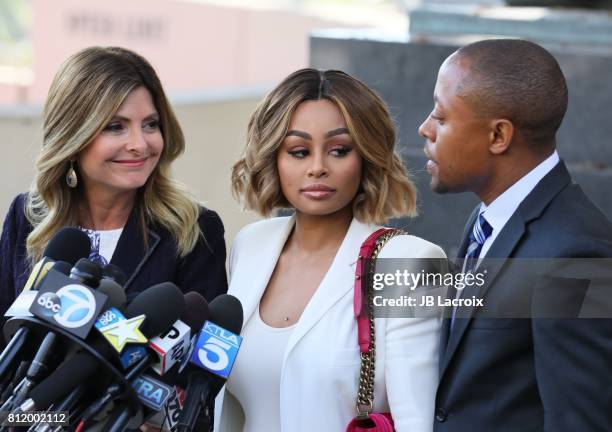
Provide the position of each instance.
(71, 306)
(216, 349)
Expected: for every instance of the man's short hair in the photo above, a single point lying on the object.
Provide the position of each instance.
(517, 80)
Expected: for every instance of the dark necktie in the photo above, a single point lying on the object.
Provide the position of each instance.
(479, 234)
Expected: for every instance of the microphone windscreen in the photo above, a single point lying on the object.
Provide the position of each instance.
(87, 269)
(226, 312)
(66, 377)
(62, 266)
(68, 244)
(114, 292)
(113, 272)
(196, 311)
(162, 304)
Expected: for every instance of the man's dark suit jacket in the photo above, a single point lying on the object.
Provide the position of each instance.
(528, 375)
(202, 270)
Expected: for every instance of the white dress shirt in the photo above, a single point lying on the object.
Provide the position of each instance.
(503, 207)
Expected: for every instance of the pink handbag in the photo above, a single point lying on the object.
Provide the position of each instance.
(366, 420)
(378, 422)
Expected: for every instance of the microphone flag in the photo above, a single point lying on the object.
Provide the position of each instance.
(118, 330)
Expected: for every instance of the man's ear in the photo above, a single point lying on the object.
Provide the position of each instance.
(501, 135)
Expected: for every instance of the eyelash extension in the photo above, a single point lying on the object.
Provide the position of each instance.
(343, 151)
(297, 153)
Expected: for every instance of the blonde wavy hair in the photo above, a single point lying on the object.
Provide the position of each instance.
(85, 94)
(386, 188)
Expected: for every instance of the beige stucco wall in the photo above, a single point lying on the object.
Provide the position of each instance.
(214, 126)
(191, 44)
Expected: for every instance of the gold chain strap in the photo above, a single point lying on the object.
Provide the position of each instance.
(365, 393)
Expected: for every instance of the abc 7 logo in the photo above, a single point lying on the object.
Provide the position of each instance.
(71, 306)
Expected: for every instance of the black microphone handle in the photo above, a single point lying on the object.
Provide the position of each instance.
(96, 406)
(9, 387)
(65, 405)
(36, 369)
(120, 419)
(12, 351)
(114, 390)
(196, 395)
(139, 368)
(38, 366)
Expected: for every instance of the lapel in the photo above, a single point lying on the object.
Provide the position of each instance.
(335, 284)
(260, 270)
(130, 254)
(530, 209)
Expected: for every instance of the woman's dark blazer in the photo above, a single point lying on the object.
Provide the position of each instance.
(202, 270)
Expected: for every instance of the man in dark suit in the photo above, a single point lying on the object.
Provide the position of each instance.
(498, 105)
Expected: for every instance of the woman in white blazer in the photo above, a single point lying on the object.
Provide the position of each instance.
(321, 143)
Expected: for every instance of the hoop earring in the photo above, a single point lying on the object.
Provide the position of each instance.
(71, 176)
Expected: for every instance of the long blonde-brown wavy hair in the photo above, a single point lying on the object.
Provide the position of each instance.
(85, 94)
(386, 188)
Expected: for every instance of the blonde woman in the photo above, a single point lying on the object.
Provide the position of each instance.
(109, 138)
(322, 144)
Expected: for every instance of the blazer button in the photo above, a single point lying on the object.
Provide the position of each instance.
(441, 414)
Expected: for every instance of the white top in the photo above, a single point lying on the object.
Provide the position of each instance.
(103, 244)
(255, 377)
(503, 207)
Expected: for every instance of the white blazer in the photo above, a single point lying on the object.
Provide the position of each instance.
(320, 370)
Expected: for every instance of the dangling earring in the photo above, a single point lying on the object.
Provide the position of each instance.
(71, 176)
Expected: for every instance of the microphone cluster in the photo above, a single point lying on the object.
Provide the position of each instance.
(81, 357)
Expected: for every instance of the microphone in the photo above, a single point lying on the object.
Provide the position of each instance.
(70, 303)
(63, 267)
(174, 345)
(111, 271)
(83, 271)
(87, 272)
(67, 404)
(116, 303)
(148, 303)
(166, 351)
(120, 418)
(61, 382)
(152, 298)
(9, 385)
(197, 312)
(154, 392)
(212, 358)
(164, 297)
(68, 244)
(114, 292)
(23, 302)
(12, 351)
(35, 371)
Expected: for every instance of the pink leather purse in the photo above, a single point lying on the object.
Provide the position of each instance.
(366, 420)
(378, 422)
